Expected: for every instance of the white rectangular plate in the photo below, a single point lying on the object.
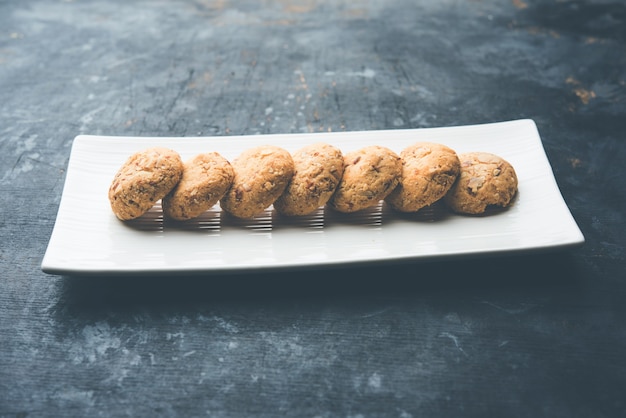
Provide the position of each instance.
(88, 239)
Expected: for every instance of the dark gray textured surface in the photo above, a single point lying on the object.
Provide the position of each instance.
(532, 336)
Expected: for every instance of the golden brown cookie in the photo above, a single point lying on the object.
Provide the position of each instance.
(143, 179)
(206, 178)
(428, 172)
(369, 175)
(318, 170)
(261, 175)
(485, 180)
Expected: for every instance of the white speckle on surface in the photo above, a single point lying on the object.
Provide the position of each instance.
(455, 340)
(398, 122)
(24, 160)
(177, 335)
(97, 79)
(202, 376)
(268, 111)
(424, 92)
(512, 311)
(375, 313)
(76, 397)
(225, 325)
(133, 359)
(374, 381)
(117, 375)
(25, 166)
(189, 353)
(28, 144)
(88, 117)
(96, 341)
(453, 317)
(421, 119)
(283, 346)
(366, 73)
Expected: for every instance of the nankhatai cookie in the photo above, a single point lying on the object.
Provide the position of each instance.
(261, 175)
(318, 170)
(369, 175)
(428, 172)
(143, 179)
(206, 178)
(485, 180)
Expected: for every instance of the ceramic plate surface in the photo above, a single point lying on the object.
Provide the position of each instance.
(88, 239)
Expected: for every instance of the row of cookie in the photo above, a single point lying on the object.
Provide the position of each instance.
(316, 175)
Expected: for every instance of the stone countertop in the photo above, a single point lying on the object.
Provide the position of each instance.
(528, 335)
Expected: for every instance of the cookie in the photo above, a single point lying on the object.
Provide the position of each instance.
(261, 175)
(369, 175)
(318, 170)
(143, 179)
(206, 178)
(485, 180)
(428, 172)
